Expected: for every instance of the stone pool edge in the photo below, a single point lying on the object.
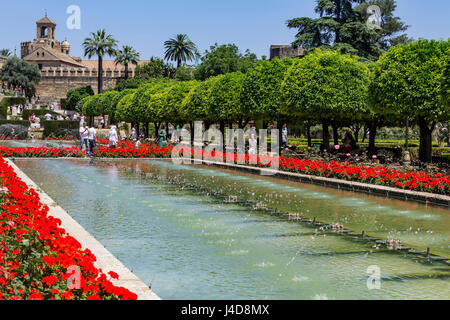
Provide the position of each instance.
(359, 187)
(105, 259)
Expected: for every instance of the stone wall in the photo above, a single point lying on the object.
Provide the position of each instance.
(56, 82)
(285, 51)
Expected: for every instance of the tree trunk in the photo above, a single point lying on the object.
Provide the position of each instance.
(356, 133)
(425, 149)
(325, 136)
(335, 134)
(308, 135)
(156, 125)
(126, 71)
(191, 124)
(100, 75)
(372, 136)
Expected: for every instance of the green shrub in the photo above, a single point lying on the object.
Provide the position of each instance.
(10, 101)
(74, 97)
(24, 123)
(61, 128)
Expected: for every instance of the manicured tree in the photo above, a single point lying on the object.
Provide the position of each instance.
(122, 114)
(446, 83)
(408, 82)
(261, 88)
(91, 107)
(197, 105)
(123, 109)
(174, 97)
(107, 106)
(261, 92)
(127, 56)
(156, 108)
(327, 86)
(142, 97)
(100, 44)
(226, 99)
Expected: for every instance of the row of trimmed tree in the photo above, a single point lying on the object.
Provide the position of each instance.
(324, 87)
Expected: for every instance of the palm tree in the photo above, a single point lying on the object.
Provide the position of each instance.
(100, 44)
(5, 53)
(126, 56)
(180, 49)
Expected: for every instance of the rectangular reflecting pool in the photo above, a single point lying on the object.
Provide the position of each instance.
(193, 232)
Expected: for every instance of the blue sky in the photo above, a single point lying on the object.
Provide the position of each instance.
(146, 24)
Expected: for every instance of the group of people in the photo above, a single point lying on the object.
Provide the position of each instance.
(87, 138)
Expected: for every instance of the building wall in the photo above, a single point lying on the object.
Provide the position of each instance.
(53, 89)
(285, 51)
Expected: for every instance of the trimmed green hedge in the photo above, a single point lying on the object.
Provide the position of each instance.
(24, 123)
(61, 128)
(10, 101)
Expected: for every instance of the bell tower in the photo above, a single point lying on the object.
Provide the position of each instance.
(45, 30)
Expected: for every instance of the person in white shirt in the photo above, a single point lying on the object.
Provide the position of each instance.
(48, 116)
(113, 137)
(91, 136)
(84, 132)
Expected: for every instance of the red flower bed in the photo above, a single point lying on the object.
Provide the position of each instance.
(40, 152)
(38, 260)
(411, 180)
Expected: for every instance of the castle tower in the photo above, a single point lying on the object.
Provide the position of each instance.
(65, 47)
(45, 30)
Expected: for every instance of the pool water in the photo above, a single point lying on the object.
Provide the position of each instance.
(194, 232)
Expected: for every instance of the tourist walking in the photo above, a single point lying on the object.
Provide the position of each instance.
(101, 122)
(133, 135)
(162, 137)
(113, 137)
(84, 132)
(91, 136)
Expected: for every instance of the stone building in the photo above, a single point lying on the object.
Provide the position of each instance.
(285, 51)
(62, 72)
(2, 61)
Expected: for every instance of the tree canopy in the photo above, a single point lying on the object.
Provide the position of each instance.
(327, 86)
(261, 91)
(74, 96)
(155, 68)
(224, 59)
(342, 24)
(18, 72)
(408, 81)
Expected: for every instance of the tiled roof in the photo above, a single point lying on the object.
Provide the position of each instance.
(46, 20)
(91, 64)
(52, 55)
